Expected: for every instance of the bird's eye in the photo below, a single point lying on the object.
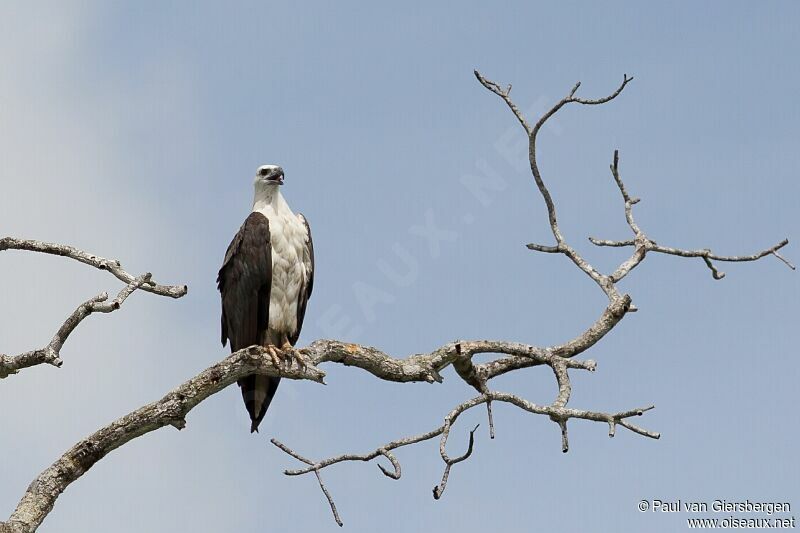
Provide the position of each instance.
(263, 172)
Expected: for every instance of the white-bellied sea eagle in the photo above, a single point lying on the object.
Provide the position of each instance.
(265, 282)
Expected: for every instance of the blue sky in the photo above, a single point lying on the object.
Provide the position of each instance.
(134, 130)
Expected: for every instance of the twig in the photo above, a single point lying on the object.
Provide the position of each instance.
(616, 244)
(329, 498)
(439, 489)
(491, 419)
(111, 265)
(709, 256)
(395, 464)
(556, 412)
(383, 450)
(51, 354)
(562, 424)
(561, 246)
(644, 244)
(543, 248)
(315, 469)
(504, 94)
(779, 256)
(706, 254)
(551, 210)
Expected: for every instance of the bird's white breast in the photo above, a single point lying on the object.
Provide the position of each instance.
(288, 236)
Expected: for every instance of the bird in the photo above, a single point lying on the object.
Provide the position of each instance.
(265, 283)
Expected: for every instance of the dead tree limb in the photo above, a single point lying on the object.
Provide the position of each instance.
(110, 265)
(51, 354)
(171, 410)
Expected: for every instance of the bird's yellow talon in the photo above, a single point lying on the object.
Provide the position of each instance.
(273, 353)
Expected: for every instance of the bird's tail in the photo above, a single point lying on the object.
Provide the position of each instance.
(257, 393)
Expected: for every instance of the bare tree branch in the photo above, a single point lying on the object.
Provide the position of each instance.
(644, 244)
(111, 265)
(704, 253)
(709, 256)
(319, 479)
(613, 244)
(427, 367)
(51, 354)
(171, 410)
(329, 498)
(551, 209)
(439, 489)
(504, 94)
(557, 413)
(561, 245)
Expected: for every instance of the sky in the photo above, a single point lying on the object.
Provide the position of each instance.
(133, 130)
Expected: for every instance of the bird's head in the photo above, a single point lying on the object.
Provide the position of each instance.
(269, 176)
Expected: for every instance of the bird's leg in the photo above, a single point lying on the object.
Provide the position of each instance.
(274, 353)
(290, 353)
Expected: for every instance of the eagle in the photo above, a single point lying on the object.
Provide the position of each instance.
(265, 282)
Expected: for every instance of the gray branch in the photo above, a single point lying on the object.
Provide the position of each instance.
(51, 354)
(171, 410)
(557, 412)
(111, 265)
(641, 243)
(439, 489)
(561, 246)
(644, 244)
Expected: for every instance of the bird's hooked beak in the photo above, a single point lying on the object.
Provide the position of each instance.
(270, 174)
(276, 176)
